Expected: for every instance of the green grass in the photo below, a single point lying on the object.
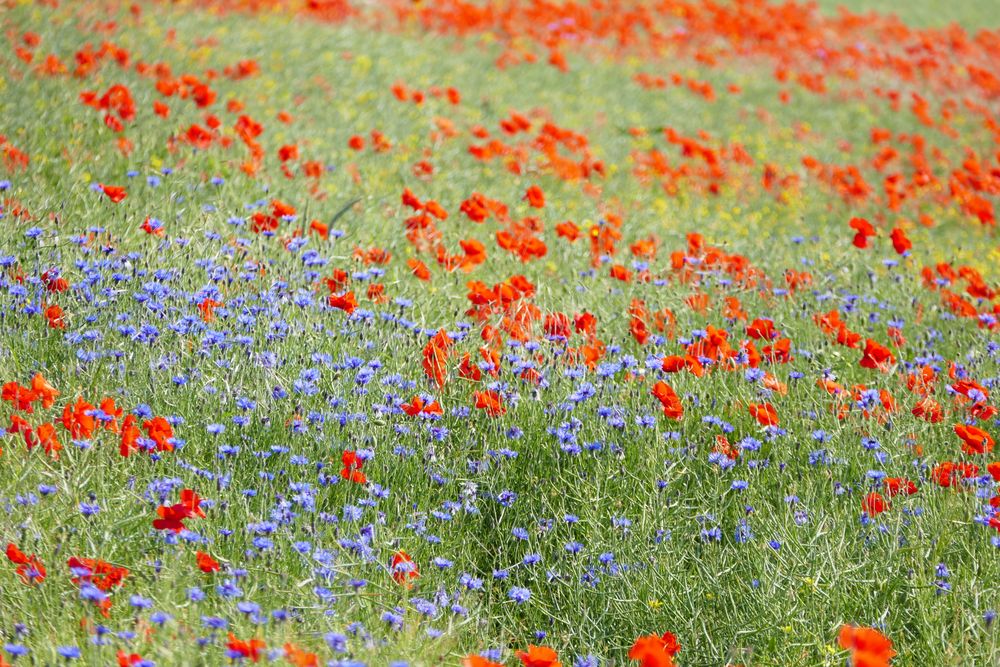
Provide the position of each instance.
(972, 15)
(726, 600)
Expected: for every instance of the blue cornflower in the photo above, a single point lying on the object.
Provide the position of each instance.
(68, 652)
(519, 595)
(16, 650)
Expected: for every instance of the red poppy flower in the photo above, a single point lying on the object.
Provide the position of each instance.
(115, 193)
(20, 397)
(780, 352)
(206, 563)
(436, 357)
(895, 486)
(54, 316)
(352, 467)
(764, 413)
(130, 435)
(864, 230)
(78, 419)
(161, 432)
(535, 197)
(403, 569)
(48, 440)
(664, 393)
(868, 646)
(539, 656)
(345, 302)
(900, 242)
(419, 269)
(417, 406)
(128, 659)
(655, 650)
(245, 649)
(761, 329)
(568, 230)
(873, 504)
(876, 356)
(29, 568)
(491, 402)
(928, 409)
(974, 440)
(172, 516)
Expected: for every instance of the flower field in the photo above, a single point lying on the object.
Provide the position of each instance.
(499, 332)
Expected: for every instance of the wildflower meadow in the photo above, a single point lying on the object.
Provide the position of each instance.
(517, 333)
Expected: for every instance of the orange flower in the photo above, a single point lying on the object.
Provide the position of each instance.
(772, 383)
(376, 293)
(673, 363)
(54, 315)
(668, 398)
(245, 649)
(764, 413)
(539, 656)
(19, 424)
(928, 409)
(435, 209)
(44, 390)
(761, 328)
(469, 371)
(20, 397)
(876, 356)
(778, 353)
(474, 660)
(873, 504)
(655, 650)
(897, 485)
(535, 197)
(130, 435)
(128, 659)
(76, 420)
(299, 657)
(320, 228)
(420, 270)
(115, 193)
(161, 432)
(345, 302)
(403, 568)
(417, 406)
(974, 440)
(568, 230)
(29, 568)
(48, 440)
(352, 467)
(436, 357)
(206, 563)
(491, 401)
(207, 309)
(101, 574)
(868, 646)
(109, 408)
(864, 229)
(900, 242)
(619, 272)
